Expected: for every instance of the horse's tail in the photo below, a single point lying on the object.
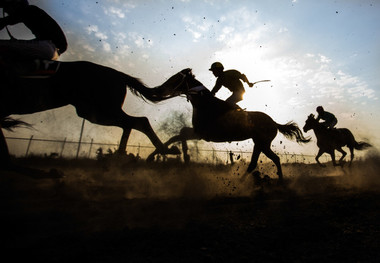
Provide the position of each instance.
(138, 88)
(10, 124)
(292, 131)
(361, 145)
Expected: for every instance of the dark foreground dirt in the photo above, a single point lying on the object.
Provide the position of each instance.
(206, 214)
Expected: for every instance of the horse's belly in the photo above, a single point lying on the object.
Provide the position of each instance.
(229, 127)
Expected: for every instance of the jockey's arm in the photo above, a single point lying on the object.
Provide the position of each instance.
(216, 88)
(244, 78)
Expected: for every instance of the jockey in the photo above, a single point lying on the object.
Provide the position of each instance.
(49, 42)
(231, 80)
(329, 119)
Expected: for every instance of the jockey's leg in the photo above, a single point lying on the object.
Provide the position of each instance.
(234, 98)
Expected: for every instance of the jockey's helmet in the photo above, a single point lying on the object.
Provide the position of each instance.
(216, 66)
(320, 109)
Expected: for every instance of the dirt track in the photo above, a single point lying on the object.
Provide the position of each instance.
(193, 214)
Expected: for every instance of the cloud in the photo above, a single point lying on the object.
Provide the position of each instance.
(94, 29)
(197, 27)
(140, 41)
(114, 11)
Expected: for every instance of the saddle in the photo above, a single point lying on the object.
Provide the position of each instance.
(36, 68)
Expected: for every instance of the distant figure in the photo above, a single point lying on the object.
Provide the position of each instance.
(231, 157)
(49, 42)
(231, 80)
(329, 119)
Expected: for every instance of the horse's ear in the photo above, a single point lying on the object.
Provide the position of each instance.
(186, 71)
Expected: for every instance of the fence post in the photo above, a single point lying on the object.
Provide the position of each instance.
(80, 138)
(89, 152)
(27, 148)
(63, 146)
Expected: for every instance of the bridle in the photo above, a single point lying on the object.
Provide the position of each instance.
(189, 90)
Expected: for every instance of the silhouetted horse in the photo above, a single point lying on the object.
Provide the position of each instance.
(217, 121)
(329, 140)
(97, 93)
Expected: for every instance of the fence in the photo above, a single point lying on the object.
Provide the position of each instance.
(24, 147)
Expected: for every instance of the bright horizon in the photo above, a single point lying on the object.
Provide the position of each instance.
(314, 52)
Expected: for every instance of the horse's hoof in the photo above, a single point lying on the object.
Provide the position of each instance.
(150, 158)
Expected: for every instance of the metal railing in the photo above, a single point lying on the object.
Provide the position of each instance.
(24, 147)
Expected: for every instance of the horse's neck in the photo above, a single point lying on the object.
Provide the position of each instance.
(321, 132)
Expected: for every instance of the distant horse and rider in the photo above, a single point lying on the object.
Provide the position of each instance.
(330, 139)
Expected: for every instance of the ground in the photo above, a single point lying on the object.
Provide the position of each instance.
(134, 212)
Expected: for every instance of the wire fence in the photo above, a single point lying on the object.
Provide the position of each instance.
(25, 147)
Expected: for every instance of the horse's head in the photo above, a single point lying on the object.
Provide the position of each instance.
(310, 123)
(182, 83)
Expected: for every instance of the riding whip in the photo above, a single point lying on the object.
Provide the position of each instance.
(265, 80)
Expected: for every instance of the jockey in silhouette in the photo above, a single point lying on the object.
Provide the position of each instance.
(231, 80)
(329, 119)
(49, 42)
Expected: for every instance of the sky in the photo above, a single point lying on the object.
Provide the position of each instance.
(314, 52)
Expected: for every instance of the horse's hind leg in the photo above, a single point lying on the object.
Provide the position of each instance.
(173, 139)
(352, 154)
(185, 134)
(4, 152)
(117, 117)
(343, 155)
(124, 140)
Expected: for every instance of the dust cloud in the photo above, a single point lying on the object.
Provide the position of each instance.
(176, 180)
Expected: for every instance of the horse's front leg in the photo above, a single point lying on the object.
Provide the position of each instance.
(187, 133)
(255, 157)
(332, 154)
(320, 152)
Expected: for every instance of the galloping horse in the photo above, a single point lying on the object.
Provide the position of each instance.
(217, 121)
(97, 93)
(329, 140)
